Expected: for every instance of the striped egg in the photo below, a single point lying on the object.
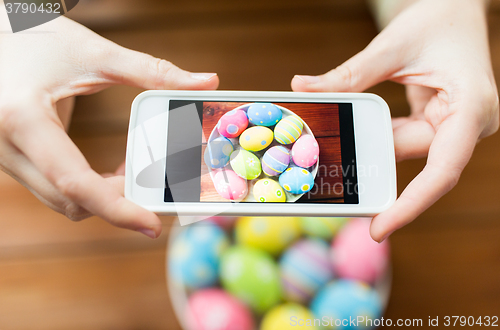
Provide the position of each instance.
(264, 114)
(305, 268)
(275, 160)
(296, 180)
(288, 130)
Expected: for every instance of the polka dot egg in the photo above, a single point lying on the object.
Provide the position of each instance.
(229, 185)
(271, 234)
(305, 268)
(288, 130)
(264, 114)
(232, 123)
(268, 191)
(252, 276)
(275, 160)
(345, 299)
(256, 138)
(218, 152)
(296, 180)
(195, 254)
(305, 151)
(215, 309)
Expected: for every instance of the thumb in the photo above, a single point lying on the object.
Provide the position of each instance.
(366, 69)
(129, 67)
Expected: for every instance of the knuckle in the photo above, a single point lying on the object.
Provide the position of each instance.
(347, 75)
(68, 185)
(9, 118)
(74, 212)
(162, 68)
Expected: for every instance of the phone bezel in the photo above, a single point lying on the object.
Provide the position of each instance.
(374, 149)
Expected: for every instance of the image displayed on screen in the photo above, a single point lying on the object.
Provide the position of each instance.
(261, 152)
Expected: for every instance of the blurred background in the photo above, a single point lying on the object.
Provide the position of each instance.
(57, 274)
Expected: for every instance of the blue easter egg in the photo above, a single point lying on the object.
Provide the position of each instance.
(346, 300)
(264, 114)
(296, 180)
(195, 254)
(218, 152)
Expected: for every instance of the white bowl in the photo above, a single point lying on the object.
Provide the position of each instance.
(290, 198)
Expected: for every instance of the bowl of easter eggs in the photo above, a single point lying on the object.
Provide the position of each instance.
(262, 152)
(266, 273)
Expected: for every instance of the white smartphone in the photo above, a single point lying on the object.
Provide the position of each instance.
(205, 153)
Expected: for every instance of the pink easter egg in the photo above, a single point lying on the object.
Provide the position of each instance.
(356, 255)
(229, 185)
(223, 222)
(214, 309)
(305, 151)
(232, 123)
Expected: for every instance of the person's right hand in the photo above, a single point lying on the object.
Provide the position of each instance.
(40, 73)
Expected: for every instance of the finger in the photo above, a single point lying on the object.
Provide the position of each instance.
(364, 70)
(449, 153)
(412, 138)
(125, 66)
(418, 97)
(22, 170)
(48, 147)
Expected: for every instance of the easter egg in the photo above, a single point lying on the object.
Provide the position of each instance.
(232, 123)
(256, 138)
(288, 130)
(322, 227)
(218, 152)
(268, 191)
(222, 221)
(289, 316)
(271, 234)
(305, 151)
(275, 160)
(229, 185)
(296, 180)
(264, 114)
(245, 164)
(252, 276)
(356, 255)
(195, 254)
(305, 267)
(346, 300)
(214, 309)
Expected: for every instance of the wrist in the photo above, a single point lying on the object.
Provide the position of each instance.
(385, 10)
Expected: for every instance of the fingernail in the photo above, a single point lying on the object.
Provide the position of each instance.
(309, 79)
(148, 232)
(202, 76)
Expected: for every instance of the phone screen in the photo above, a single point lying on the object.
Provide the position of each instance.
(252, 152)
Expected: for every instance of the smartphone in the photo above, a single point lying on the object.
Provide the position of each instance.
(205, 153)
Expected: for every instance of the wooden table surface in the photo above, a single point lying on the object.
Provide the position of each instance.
(57, 274)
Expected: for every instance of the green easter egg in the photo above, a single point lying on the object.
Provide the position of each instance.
(321, 227)
(252, 276)
(245, 164)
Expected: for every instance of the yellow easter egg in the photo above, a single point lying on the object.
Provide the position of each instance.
(271, 234)
(289, 317)
(256, 138)
(268, 191)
